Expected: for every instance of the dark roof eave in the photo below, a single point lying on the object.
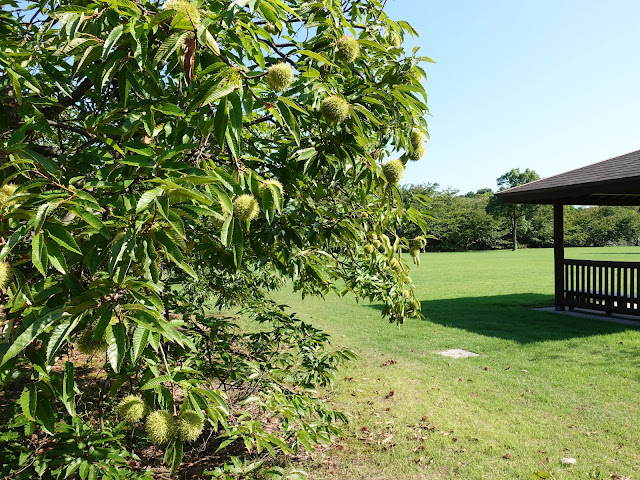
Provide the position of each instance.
(618, 176)
(623, 191)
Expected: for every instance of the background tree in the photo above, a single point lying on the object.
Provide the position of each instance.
(601, 226)
(457, 222)
(156, 160)
(512, 211)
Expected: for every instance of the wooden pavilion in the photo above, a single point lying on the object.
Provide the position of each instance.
(596, 285)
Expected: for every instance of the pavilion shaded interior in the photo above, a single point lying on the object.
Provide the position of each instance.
(598, 285)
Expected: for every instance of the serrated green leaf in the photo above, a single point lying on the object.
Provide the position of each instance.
(140, 339)
(177, 457)
(169, 109)
(156, 382)
(218, 92)
(238, 243)
(169, 46)
(161, 16)
(139, 160)
(288, 101)
(104, 315)
(13, 241)
(206, 38)
(39, 256)
(55, 256)
(58, 337)
(147, 198)
(316, 56)
(92, 221)
(15, 83)
(44, 414)
(226, 232)
(220, 121)
(62, 237)
(116, 345)
(111, 40)
(187, 268)
(68, 387)
(30, 333)
(83, 471)
(28, 401)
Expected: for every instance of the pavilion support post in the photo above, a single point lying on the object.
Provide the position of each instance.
(558, 254)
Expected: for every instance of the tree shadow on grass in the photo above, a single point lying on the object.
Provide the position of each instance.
(511, 317)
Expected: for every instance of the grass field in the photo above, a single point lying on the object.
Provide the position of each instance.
(545, 386)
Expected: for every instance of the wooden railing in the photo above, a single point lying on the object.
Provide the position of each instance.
(598, 285)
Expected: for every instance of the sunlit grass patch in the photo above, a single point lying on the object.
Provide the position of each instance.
(544, 386)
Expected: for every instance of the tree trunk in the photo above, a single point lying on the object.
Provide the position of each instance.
(514, 236)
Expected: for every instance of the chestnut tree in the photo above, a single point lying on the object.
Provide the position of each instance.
(160, 159)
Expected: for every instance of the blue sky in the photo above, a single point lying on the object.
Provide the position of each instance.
(550, 85)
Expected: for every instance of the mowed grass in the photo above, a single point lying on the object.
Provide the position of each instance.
(544, 386)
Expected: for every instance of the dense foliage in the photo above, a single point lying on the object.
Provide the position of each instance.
(461, 222)
(158, 159)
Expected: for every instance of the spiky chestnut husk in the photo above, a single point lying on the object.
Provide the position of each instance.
(87, 345)
(115, 319)
(395, 265)
(347, 49)
(6, 192)
(412, 75)
(218, 222)
(271, 28)
(419, 242)
(132, 409)
(190, 426)
(417, 138)
(279, 77)
(386, 241)
(5, 274)
(245, 207)
(266, 183)
(376, 243)
(369, 248)
(417, 153)
(393, 171)
(414, 251)
(406, 293)
(334, 109)
(160, 427)
(395, 40)
(188, 15)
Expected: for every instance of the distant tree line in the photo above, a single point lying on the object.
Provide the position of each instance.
(474, 221)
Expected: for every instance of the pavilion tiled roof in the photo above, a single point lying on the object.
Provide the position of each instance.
(615, 181)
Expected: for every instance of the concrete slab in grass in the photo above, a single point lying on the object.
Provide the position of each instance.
(457, 353)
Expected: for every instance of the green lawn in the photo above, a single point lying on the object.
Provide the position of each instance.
(545, 386)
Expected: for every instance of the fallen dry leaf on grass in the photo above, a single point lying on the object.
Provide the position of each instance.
(387, 438)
